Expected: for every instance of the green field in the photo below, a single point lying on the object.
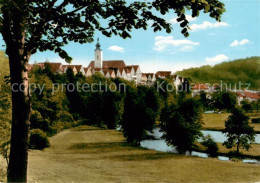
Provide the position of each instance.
(217, 122)
(88, 154)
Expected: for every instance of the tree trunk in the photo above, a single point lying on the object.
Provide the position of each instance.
(238, 143)
(237, 148)
(17, 169)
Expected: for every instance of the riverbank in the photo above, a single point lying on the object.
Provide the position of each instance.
(253, 152)
(216, 122)
(89, 154)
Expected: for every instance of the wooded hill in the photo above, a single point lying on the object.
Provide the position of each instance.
(244, 70)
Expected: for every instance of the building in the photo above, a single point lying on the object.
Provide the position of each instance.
(163, 74)
(114, 68)
(148, 78)
(251, 96)
(197, 88)
(111, 69)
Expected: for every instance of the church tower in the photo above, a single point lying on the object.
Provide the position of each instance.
(98, 56)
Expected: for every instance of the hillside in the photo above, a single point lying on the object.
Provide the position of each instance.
(244, 70)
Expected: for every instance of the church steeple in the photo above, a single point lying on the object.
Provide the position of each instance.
(98, 56)
(98, 45)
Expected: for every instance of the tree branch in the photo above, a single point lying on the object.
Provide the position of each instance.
(5, 27)
(62, 5)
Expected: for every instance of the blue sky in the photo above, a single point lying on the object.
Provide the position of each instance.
(210, 42)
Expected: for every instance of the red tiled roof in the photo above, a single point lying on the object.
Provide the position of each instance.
(110, 64)
(54, 66)
(148, 74)
(78, 67)
(174, 76)
(239, 94)
(200, 86)
(69, 66)
(110, 71)
(97, 69)
(121, 70)
(86, 69)
(105, 71)
(128, 70)
(133, 66)
(252, 95)
(163, 73)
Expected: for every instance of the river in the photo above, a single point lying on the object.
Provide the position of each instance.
(161, 145)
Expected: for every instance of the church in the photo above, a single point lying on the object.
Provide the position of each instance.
(114, 68)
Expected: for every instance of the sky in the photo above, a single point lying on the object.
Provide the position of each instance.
(210, 42)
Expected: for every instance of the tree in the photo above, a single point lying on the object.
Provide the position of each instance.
(141, 110)
(229, 100)
(28, 26)
(246, 106)
(113, 108)
(183, 125)
(5, 108)
(224, 100)
(76, 103)
(204, 100)
(255, 105)
(49, 110)
(238, 131)
(211, 145)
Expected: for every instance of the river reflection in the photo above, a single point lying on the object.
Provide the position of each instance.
(218, 136)
(161, 145)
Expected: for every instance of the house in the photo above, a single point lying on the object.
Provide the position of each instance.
(240, 97)
(177, 80)
(148, 78)
(75, 68)
(87, 71)
(99, 70)
(112, 73)
(122, 73)
(199, 87)
(144, 78)
(163, 74)
(251, 96)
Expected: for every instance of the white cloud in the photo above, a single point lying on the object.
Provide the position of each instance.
(242, 42)
(207, 25)
(167, 42)
(216, 59)
(188, 17)
(116, 48)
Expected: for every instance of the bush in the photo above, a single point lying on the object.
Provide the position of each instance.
(38, 139)
(65, 116)
(37, 122)
(211, 145)
(256, 120)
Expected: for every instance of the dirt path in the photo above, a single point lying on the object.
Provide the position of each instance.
(88, 154)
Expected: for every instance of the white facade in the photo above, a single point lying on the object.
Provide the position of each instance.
(138, 75)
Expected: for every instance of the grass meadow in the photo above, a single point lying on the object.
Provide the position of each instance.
(89, 154)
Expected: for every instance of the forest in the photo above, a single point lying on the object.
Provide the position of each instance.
(241, 70)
